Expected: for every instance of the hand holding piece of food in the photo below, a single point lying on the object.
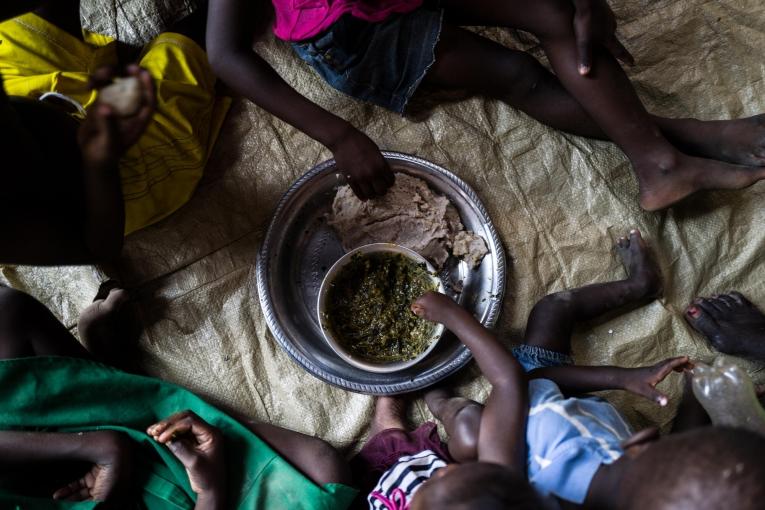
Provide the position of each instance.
(124, 96)
(120, 115)
(199, 447)
(364, 167)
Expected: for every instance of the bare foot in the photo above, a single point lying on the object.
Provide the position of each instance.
(738, 141)
(667, 180)
(390, 413)
(731, 323)
(105, 329)
(639, 263)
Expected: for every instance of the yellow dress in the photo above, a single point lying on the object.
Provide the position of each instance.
(161, 171)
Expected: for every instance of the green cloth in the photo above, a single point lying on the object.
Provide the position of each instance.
(65, 395)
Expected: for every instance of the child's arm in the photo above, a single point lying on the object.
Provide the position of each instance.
(104, 137)
(109, 452)
(502, 436)
(641, 381)
(229, 46)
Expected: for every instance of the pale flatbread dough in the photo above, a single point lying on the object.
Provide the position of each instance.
(469, 247)
(124, 96)
(410, 215)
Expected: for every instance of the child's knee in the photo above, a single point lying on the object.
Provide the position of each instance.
(553, 305)
(467, 423)
(524, 76)
(17, 312)
(14, 305)
(329, 465)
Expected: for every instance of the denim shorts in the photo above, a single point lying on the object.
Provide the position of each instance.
(531, 357)
(381, 63)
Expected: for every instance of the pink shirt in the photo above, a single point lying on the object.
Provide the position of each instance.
(298, 20)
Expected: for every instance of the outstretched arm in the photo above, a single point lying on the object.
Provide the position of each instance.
(229, 46)
(502, 435)
(641, 381)
(108, 451)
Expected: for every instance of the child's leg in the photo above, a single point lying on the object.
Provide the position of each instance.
(467, 61)
(315, 458)
(553, 317)
(462, 420)
(28, 329)
(665, 174)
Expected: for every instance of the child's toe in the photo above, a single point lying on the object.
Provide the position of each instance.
(701, 321)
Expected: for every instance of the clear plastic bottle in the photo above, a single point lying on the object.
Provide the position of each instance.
(728, 394)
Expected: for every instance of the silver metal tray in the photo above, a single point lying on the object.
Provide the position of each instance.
(300, 247)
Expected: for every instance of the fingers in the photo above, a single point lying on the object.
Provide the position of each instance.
(158, 428)
(147, 86)
(180, 424)
(388, 176)
(677, 364)
(620, 53)
(659, 372)
(102, 77)
(380, 187)
(75, 491)
(358, 190)
(102, 119)
(134, 126)
(655, 395)
(375, 186)
(583, 34)
(174, 431)
(183, 451)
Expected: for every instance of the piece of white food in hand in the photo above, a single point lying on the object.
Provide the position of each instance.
(124, 96)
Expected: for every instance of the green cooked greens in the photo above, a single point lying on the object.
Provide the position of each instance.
(368, 307)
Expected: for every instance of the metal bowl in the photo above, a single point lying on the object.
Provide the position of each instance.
(329, 336)
(300, 247)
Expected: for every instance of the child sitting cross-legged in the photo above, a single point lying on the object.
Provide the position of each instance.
(576, 448)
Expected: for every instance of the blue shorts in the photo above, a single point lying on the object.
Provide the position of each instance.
(531, 357)
(381, 63)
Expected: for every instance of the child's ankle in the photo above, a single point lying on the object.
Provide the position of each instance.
(664, 159)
